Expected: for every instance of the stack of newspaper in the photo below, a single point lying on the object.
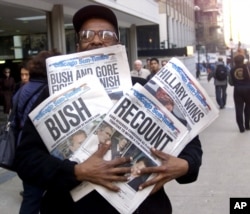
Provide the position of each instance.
(166, 113)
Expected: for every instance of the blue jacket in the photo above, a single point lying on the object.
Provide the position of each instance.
(23, 101)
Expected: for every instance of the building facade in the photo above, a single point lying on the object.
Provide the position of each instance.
(29, 26)
(209, 26)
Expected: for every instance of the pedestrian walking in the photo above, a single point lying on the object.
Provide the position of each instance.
(220, 75)
(240, 79)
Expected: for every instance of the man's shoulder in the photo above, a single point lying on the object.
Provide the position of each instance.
(145, 70)
(31, 87)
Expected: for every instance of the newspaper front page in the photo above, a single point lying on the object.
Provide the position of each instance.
(65, 119)
(109, 64)
(176, 88)
(137, 124)
(76, 109)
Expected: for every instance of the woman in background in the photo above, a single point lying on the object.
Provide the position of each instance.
(7, 86)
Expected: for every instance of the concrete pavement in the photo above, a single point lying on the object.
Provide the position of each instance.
(225, 171)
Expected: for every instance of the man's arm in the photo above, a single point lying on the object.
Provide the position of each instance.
(192, 153)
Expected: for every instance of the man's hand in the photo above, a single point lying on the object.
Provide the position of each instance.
(171, 168)
(101, 172)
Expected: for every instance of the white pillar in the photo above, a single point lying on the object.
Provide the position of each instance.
(57, 29)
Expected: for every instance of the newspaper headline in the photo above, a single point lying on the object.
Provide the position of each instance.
(109, 64)
(80, 106)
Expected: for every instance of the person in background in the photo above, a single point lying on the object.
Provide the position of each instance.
(154, 67)
(204, 67)
(96, 26)
(220, 82)
(25, 98)
(24, 75)
(240, 78)
(147, 66)
(7, 87)
(164, 62)
(139, 71)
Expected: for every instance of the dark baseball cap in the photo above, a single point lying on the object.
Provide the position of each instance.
(94, 11)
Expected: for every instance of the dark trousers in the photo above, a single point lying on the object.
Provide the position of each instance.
(32, 197)
(56, 202)
(221, 95)
(242, 106)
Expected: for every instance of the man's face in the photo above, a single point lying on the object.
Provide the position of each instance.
(164, 99)
(25, 75)
(137, 66)
(7, 72)
(96, 24)
(76, 141)
(122, 143)
(154, 66)
(104, 134)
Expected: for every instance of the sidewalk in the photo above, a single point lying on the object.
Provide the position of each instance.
(225, 171)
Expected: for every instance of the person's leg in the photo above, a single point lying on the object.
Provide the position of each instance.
(239, 104)
(32, 197)
(247, 109)
(224, 95)
(218, 95)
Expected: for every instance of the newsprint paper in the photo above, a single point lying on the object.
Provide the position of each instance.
(166, 113)
(109, 64)
(65, 119)
(77, 108)
(186, 98)
(137, 118)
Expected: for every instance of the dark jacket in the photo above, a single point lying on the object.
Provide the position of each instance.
(35, 165)
(7, 86)
(26, 96)
(240, 76)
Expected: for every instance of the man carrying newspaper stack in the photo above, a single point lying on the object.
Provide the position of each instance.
(96, 27)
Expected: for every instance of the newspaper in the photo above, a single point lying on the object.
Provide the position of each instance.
(143, 117)
(190, 102)
(109, 64)
(80, 107)
(137, 119)
(172, 104)
(65, 119)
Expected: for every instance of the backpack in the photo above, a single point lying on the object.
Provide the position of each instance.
(221, 73)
